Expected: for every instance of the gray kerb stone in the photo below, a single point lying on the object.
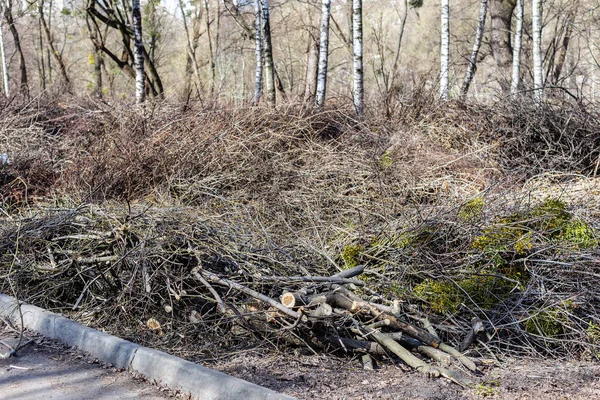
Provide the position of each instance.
(200, 382)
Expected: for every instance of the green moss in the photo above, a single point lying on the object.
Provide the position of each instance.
(441, 296)
(548, 222)
(593, 332)
(578, 233)
(351, 255)
(386, 160)
(486, 290)
(471, 209)
(549, 322)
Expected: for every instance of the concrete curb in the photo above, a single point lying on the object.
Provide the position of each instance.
(200, 382)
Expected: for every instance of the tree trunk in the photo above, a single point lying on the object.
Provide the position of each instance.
(41, 57)
(211, 52)
(538, 74)
(501, 18)
(24, 85)
(562, 52)
(3, 55)
(258, 52)
(62, 69)
(445, 49)
(312, 57)
(475, 52)
(138, 52)
(516, 64)
(357, 46)
(268, 53)
(323, 53)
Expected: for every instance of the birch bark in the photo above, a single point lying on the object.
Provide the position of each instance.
(445, 49)
(323, 53)
(357, 46)
(268, 53)
(475, 52)
(516, 65)
(538, 74)
(3, 55)
(258, 53)
(138, 52)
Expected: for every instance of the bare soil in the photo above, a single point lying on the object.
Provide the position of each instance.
(326, 377)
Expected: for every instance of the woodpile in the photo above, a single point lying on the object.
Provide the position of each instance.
(340, 319)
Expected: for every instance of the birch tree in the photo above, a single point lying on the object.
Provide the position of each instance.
(516, 64)
(3, 55)
(357, 48)
(138, 52)
(258, 52)
(268, 53)
(538, 74)
(475, 52)
(445, 49)
(323, 53)
(8, 17)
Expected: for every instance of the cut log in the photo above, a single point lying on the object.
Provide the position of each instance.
(340, 299)
(294, 300)
(464, 360)
(234, 285)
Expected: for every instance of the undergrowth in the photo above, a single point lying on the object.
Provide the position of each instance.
(113, 207)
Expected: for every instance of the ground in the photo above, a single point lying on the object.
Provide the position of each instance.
(328, 378)
(45, 369)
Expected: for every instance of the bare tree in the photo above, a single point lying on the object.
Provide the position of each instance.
(475, 52)
(138, 52)
(323, 53)
(562, 52)
(56, 55)
(538, 77)
(312, 55)
(268, 53)
(445, 49)
(191, 62)
(357, 46)
(8, 17)
(3, 55)
(501, 12)
(516, 64)
(258, 52)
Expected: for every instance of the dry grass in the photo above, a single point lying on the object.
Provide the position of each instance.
(295, 191)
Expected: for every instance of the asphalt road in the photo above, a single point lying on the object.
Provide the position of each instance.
(45, 370)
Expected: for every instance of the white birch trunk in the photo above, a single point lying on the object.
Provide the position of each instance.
(538, 73)
(516, 66)
(3, 55)
(258, 53)
(323, 53)
(445, 49)
(138, 52)
(357, 46)
(475, 52)
(268, 52)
